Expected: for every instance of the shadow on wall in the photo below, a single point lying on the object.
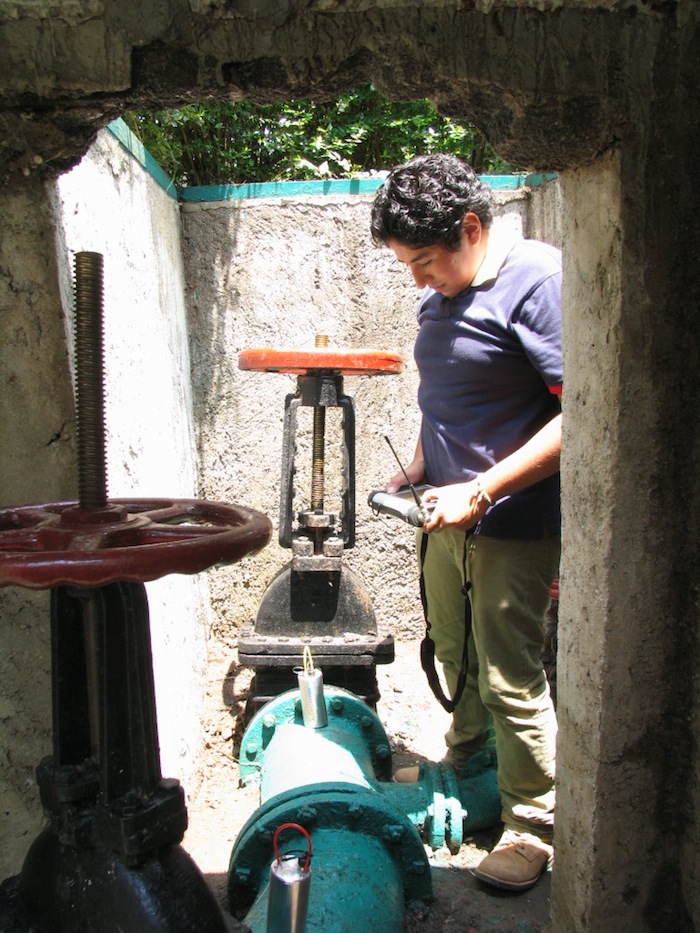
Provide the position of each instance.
(212, 249)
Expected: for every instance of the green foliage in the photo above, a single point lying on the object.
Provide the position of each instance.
(222, 143)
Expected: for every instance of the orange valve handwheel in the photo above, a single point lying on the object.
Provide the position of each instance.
(321, 359)
(129, 540)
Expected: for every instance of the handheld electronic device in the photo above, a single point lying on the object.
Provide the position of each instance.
(402, 504)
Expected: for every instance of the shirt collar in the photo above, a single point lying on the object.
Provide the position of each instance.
(500, 243)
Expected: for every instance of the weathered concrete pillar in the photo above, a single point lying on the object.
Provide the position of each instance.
(628, 748)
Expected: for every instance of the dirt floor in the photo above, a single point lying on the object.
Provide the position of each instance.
(415, 723)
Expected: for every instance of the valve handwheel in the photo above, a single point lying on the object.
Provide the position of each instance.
(129, 540)
(97, 541)
(321, 359)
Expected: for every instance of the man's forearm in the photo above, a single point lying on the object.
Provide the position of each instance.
(537, 459)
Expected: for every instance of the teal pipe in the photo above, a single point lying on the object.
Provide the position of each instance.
(439, 805)
(353, 885)
(351, 724)
(367, 832)
(368, 860)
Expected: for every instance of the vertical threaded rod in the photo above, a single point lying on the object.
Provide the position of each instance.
(319, 445)
(92, 471)
(318, 459)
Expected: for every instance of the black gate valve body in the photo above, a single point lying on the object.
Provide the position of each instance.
(110, 858)
(316, 601)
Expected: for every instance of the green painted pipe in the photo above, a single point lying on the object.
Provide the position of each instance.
(366, 830)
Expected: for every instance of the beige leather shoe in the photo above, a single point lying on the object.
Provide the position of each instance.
(516, 861)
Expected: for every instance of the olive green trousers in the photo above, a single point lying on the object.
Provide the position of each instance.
(506, 583)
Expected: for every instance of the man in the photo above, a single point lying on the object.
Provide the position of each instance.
(488, 353)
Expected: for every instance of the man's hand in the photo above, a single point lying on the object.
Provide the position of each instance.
(458, 506)
(415, 472)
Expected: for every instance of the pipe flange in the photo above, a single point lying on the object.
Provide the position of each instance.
(349, 812)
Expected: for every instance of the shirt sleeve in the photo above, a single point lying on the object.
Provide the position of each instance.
(537, 324)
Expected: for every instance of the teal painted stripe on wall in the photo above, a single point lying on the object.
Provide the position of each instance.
(282, 189)
(133, 145)
(296, 189)
(539, 178)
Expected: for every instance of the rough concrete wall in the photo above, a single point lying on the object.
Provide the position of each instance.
(546, 81)
(664, 332)
(276, 272)
(38, 464)
(545, 213)
(628, 772)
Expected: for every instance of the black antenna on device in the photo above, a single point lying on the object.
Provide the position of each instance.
(410, 484)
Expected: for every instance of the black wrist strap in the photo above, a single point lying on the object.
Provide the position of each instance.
(427, 647)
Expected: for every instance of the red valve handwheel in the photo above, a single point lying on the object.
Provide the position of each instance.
(131, 540)
(321, 359)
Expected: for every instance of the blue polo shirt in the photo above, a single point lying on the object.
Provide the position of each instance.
(490, 368)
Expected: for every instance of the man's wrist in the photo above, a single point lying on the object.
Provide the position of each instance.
(483, 497)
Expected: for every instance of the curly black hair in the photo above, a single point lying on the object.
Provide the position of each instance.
(423, 202)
